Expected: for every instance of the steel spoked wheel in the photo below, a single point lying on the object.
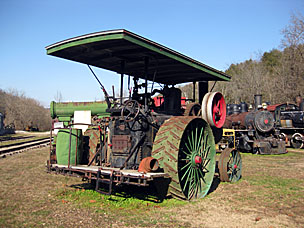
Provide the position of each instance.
(230, 165)
(193, 109)
(297, 141)
(185, 149)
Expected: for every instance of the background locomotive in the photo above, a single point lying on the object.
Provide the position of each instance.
(266, 128)
(289, 121)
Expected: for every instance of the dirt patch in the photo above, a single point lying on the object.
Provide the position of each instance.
(270, 194)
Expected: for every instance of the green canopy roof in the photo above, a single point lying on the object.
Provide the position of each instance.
(109, 49)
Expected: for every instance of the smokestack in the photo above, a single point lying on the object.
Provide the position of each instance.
(258, 101)
(298, 100)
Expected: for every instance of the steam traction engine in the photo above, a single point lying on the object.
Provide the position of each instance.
(134, 140)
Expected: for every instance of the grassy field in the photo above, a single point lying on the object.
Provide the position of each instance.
(270, 194)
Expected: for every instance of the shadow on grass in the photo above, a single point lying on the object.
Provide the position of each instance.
(156, 192)
(215, 183)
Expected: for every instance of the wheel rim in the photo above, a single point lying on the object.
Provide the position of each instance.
(196, 160)
(297, 141)
(191, 164)
(230, 165)
(193, 109)
(214, 109)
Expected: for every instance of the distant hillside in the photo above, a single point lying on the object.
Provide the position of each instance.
(23, 112)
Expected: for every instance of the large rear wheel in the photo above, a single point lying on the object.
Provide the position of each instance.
(185, 149)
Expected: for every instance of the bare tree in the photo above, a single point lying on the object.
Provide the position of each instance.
(24, 112)
(58, 96)
(293, 55)
(293, 33)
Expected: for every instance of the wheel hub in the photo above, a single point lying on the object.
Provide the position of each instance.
(198, 160)
(230, 165)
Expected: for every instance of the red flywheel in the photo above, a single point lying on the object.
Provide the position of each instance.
(214, 109)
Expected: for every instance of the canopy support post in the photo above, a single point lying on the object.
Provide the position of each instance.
(121, 79)
(202, 90)
(193, 92)
(146, 82)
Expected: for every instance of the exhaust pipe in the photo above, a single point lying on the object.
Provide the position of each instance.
(148, 164)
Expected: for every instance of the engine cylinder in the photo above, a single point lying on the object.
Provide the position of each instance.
(235, 109)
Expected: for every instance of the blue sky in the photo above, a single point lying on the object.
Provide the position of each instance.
(215, 32)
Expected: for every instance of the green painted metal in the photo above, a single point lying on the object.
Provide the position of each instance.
(62, 147)
(234, 166)
(178, 142)
(230, 165)
(182, 59)
(83, 41)
(108, 48)
(64, 118)
(67, 109)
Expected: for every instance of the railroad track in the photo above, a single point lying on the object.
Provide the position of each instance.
(9, 138)
(19, 147)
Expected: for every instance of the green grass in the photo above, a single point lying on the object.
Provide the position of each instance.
(42, 213)
(272, 189)
(289, 154)
(122, 198)
(134, 206)
(283, 184)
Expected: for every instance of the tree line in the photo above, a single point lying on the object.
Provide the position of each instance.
(278, 74)
(23, 112)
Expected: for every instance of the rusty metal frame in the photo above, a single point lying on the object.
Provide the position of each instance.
(110, 176)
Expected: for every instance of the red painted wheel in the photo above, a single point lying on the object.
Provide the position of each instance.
(214, 109)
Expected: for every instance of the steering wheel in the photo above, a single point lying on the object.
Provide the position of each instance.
(130, 110)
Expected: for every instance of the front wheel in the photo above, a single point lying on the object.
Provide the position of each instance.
(230, 165)
(185, 149)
